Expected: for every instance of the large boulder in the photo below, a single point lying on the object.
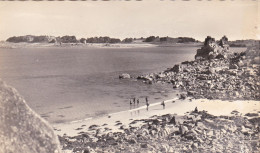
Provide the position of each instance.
(223, 41)
(176, 68)
(21, 129)
(204, 52)
(124, 76)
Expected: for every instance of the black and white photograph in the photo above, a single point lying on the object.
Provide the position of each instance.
(130, 76)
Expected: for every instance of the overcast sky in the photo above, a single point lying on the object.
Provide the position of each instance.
(237, 19)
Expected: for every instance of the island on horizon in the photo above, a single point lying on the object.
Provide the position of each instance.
(72, 41)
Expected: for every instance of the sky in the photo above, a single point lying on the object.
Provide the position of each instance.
(238, 19)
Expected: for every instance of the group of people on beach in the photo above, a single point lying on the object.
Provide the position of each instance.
(146, 101)
(134, 100)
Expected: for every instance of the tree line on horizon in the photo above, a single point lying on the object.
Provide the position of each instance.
(65, 39)
(73, 39)
(170, 39)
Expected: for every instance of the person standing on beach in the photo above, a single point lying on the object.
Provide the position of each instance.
(130, 102)
(134, 100)
(137, 101)
(163, 103)
(147, 104)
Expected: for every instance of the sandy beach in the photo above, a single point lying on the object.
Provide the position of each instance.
(173, 106)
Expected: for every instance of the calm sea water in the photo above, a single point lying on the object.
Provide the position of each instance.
(70, 84)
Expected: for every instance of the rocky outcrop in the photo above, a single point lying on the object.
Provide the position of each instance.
(212, 49)
(232, 78)
(21, 129)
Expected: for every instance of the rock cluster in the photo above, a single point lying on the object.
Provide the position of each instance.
(196, 131)
(21, 129)
(226, 76)
(212, 49)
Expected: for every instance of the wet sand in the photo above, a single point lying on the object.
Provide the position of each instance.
(173, 106)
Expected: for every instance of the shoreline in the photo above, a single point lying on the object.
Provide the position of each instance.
(173, 106)
(123, 111)
(8, 45)
(199, 125)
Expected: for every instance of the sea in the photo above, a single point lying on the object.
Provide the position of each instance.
(70, 84)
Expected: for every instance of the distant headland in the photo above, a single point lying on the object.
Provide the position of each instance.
(163, 41)
(105, 39)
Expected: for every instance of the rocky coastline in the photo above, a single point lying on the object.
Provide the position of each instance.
(196, 131)
(215, 73)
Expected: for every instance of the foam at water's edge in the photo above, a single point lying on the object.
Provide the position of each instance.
(77, 121)
(124, 111)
